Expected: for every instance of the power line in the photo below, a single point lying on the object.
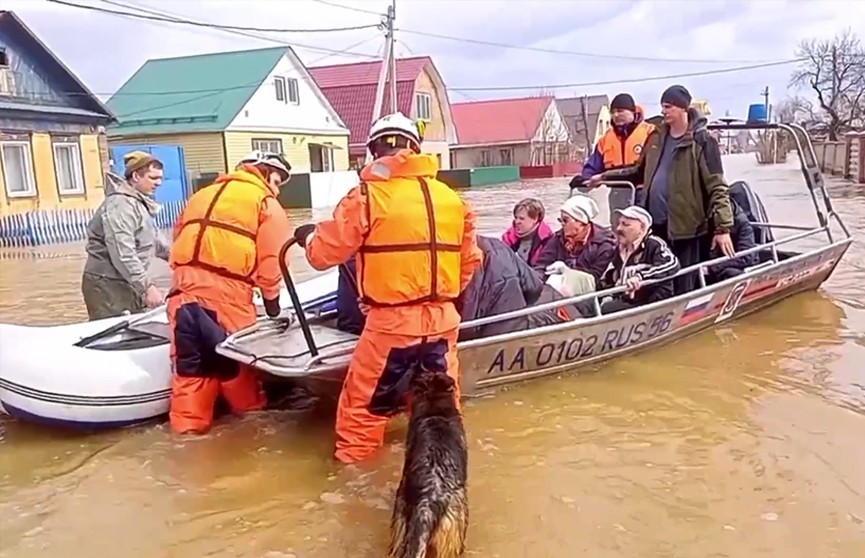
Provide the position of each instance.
(351, 8)
(182, 19)
(211, 25)
(570, 52)
(631, 80)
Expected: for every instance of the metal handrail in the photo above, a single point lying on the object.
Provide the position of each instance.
(597, 295)
(295, 300)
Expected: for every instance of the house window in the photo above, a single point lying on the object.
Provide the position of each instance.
(4, 58)
(286, 90)
(279, 83)
(17, 169)
(68, 167)
(485, 158)
(269, 145)
(293, 91)
(424, 106)
(320, 158)
(507, 157)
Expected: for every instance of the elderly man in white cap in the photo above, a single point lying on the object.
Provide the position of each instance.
(641, 256)
(575, 257)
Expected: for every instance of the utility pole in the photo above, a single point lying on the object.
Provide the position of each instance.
(388, 68)
(765, 95)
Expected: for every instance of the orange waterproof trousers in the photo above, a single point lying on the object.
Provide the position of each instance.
(376, 386)
(201, 375)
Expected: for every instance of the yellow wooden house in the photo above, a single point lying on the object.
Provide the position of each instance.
(53, 152)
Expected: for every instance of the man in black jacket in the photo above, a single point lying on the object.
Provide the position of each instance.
(641, 256)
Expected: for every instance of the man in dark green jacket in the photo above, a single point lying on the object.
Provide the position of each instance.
(685, 189)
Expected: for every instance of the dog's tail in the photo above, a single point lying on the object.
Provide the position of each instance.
(419, 530)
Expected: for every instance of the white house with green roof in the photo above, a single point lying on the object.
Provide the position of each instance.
(218, 107)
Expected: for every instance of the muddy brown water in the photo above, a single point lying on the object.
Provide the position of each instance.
(744, 441)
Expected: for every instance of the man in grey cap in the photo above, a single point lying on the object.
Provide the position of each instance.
(686, 194)
(640, 256)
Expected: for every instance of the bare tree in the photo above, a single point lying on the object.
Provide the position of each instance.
(835, 71)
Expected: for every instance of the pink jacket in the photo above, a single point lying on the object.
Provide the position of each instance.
(539, 237)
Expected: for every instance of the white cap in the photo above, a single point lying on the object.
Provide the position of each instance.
(638, 213)
(582, 208)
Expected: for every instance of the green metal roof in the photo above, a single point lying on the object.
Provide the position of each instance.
(201, 93)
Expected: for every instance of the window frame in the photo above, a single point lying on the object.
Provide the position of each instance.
(427, 97)
(30, 178)
(277, 141)
(280, 88)
(77, 163)
(292, 85)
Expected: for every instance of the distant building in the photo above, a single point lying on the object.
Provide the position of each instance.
(219, 107)
(505, 132)
(421, 95)
(587, 118)
(53, 152)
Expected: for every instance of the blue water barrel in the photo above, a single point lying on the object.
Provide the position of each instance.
(757, 113)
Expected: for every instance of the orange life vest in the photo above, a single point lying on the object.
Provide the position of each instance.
(412, 252)
(618, 152)
(219, 226)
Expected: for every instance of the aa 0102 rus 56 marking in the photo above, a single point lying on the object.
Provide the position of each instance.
(588, 343)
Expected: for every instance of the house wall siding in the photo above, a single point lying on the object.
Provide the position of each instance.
(47, 195)
(203, 152)
(294, 146)
(472, 157)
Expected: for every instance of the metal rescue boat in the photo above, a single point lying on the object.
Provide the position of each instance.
(310, 350)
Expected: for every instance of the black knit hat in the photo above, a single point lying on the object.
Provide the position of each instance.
(677, 96)
(623, 101)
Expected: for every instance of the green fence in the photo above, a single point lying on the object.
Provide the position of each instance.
(484, 176)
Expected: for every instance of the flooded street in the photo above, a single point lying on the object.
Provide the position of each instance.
(745, 441)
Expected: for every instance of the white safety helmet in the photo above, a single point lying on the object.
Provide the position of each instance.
(397, 124)
(274, 160)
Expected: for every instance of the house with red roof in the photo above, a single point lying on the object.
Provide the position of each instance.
(503, 132)
(420, 91)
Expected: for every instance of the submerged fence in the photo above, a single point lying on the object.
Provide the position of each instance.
(57, 226)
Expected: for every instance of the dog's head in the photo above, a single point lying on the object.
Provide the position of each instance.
(425, 383)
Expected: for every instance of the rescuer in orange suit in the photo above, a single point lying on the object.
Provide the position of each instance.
(226, 242)
(621, 145)
(416, 251)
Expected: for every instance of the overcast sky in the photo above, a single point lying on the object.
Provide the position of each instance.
(653, 38)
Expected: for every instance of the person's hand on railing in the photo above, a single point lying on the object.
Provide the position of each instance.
(632, 285)
(364, 308)
(724, 243)
(595, 181)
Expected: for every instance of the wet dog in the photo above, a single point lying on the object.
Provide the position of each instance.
(431, 514)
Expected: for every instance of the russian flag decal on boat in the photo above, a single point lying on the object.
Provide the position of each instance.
(695, 309)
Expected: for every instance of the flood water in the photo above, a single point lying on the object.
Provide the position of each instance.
(745, 441)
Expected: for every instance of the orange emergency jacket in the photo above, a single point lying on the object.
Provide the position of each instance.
(619, 152)
(411, 254)
(219, 231)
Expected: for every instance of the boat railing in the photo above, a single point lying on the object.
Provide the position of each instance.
(596, 297)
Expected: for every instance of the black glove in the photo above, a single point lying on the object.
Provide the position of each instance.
(302, 232)
(271, 307)
(578, 182)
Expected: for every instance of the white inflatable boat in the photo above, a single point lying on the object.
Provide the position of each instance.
(107, 373)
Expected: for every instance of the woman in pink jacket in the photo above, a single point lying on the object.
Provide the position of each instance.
(529, 232)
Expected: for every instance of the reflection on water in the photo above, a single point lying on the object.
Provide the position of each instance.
(742, 441)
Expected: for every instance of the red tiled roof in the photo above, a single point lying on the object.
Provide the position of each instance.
(350, 88)
(499, 120)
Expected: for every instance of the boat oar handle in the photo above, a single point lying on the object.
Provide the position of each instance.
(295, 300)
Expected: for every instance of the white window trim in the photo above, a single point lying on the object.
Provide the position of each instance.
(428, 97)
(77, 169)
(30, 177)
(288, 82)
(280, 79)
(277, 141)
